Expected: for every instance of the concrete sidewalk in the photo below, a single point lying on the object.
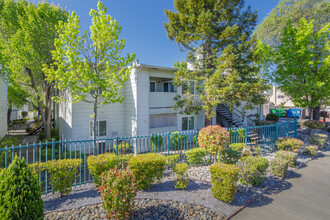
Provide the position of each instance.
(304, 197)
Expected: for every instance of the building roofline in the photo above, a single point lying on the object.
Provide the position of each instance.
(158, 67)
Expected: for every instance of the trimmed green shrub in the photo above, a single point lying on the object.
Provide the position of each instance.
(314, 124)
(287, 155)
(123, 147)
(172, 160)
(224, 178)
(318, 139)
(213, 138)
(118, 190)
(272, 117)
(310, 151)
(237, 146)
(195, 156)
(62, 173)
(181, 181)
(156, 142)
(289, 144)
(147, 168)
(252, 169)
(237, 135)
(104, 162)
(229, 156)
(24, 114)
(54, 133)
(279, 166)
(20, 193)
(178, 141)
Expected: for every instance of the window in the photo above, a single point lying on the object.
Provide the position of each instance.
(100, 130)
(152, 86)
(188, 123)
(280, 96)
(169, 87)
(191, 87)
(162, 120)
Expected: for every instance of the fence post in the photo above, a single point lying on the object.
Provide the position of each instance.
(53, 143)
(276, 131)
(117, 145)
(246, 135)
(295, 127)
(168, 143)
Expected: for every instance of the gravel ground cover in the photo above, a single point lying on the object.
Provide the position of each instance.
(163, 201)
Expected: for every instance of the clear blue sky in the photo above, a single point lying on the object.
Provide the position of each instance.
(142, 25)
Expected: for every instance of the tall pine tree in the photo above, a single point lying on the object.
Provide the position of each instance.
(216, 34)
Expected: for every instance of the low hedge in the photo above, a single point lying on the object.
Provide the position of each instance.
(224, 178)
(314, 124)
(181, 180)
(310, 151)
(252, 169)
(279, 166)
(123, 147)
(104, 162)
(195, 156)
(289, 144)
(147, 168)
(172, 160)
(178, 141)
(318, 139)
(156, 142)
(287, 155)
(229, 156)
(237, 146)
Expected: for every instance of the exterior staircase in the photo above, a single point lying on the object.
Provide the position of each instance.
(235, 118)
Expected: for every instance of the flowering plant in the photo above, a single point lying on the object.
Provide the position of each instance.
(118, 190)
(213, 138)
(314, 124)
(289, 144)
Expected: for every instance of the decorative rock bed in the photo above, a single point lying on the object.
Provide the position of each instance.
(163, 201)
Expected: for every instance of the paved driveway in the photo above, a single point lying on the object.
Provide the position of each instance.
(306, 197)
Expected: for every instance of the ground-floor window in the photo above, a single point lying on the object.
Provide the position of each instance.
(162, 120)
(188, 123)
(100, 130)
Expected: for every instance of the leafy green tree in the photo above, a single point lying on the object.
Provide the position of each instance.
(300, 64)
(90, 66)
(27, 33)
(271, 28)
(216, 35)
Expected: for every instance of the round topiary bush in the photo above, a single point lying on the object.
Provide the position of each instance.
(20, 193)
(213, 138)
(147, 168)
(272, 117)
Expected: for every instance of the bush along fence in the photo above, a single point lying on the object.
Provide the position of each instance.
(174, 143)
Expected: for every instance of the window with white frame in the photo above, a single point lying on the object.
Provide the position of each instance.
(100, 130)
(188, 85)
(188, 123)
(162, 120)
(152, 86)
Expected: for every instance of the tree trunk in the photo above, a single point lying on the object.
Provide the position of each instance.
(208, 119)
(310, 110)
(10, 108)
(46, 109)
(316, 112)
(94, 124)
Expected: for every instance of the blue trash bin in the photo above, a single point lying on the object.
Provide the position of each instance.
(293, 113)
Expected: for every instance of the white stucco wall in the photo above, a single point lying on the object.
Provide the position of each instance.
(65, 117)
(3, 107)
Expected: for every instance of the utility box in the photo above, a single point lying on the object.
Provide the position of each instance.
(293, 113)
(279, 111)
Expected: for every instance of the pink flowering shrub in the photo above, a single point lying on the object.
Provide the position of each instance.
(213, 138)
(289, 144)
(314, 124)
(118, 190)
